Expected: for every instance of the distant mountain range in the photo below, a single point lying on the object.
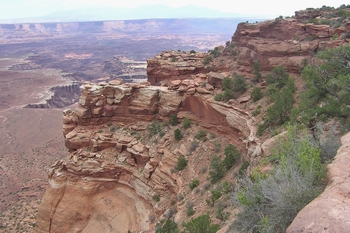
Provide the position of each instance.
(142, 12)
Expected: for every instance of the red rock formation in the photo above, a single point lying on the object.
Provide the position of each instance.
(107, 182)
(280, 42)
(172, 65)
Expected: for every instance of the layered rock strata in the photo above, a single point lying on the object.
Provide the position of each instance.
(173, 65)
(109, 180)
(282, 42)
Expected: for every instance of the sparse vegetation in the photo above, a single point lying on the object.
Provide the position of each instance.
(181, 163)
(186, 123)
(156, 197)
(269, 204)
(173, 120)
(178, 134)
(207, 60)
(201, 135)
(194, 183)
(256, 94)
(201, 224)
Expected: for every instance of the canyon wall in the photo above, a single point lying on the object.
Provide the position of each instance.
(111, 175)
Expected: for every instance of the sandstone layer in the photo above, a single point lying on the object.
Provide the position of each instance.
(108, 181)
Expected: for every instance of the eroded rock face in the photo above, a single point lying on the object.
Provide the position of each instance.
(107, 182)
(330, 212)
(173, 65)
(281, 42)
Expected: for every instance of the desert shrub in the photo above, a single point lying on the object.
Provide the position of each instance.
(243, 168)
(189, 208)
(201, 135)
(270, 204)
(256, 94)
(277, 77)
(193, 146)
(177, 134)
(215, 195)
(207, 60)
(186, 123)
(173, 120)
(219, 97)
(239, 83)
(232, 155)
(168, 227)
(201, 224)
(217, 170)
(156, 197)
(215, 52)
(217, 146)
(192, 51)
(170, 212)
(154, 128)
(194, 183)
(256, 71)
(227, 187)
(227, 83)
(220, 213)
(257, 111)
(181, 163)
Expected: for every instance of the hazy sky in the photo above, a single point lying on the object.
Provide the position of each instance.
(11, 9)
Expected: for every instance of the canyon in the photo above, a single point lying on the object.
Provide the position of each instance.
(118, 176)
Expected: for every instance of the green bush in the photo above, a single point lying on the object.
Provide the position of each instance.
(239, 83)
(181, 163)
(168, 227)
(277, 77)
(207, 60)
(156, 197)
(215, 52)
(256, 94)
(194, 183)
(201, 135)
(256, 71)
(232, 155)
(177, 134)
(217, 170)
(186, 123)
(227, 83)
(154, 128)
(201, 224)
(192, 51)
(173, 120)
(219, 97)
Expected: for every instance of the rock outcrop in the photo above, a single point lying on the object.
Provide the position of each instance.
(281, 42)
(174, 65)
(111, 175)
(330, 212)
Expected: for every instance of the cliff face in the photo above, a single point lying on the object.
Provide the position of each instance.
(282, 42)
(172, 65)
(112, 172)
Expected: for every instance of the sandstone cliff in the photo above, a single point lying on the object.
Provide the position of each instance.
(112, 171)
